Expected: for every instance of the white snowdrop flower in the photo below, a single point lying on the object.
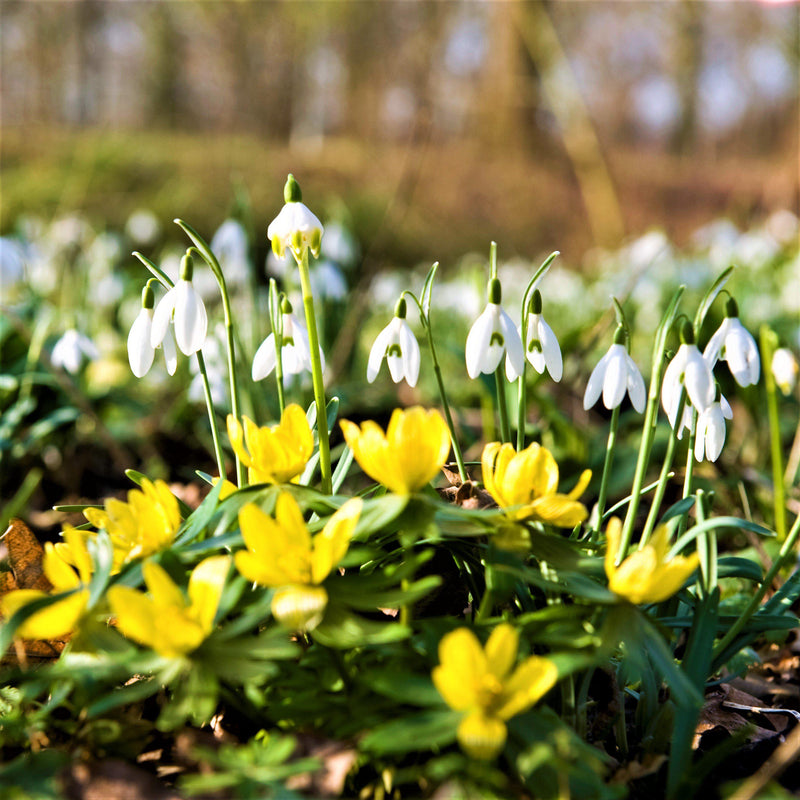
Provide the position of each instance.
(140, 348)
(216, 383)
(71, 349)
(784, 369)
(339, 245)
(687, 369)
(710, 431)
(295, 227)
(397, 342)
(295, 350)
(492, 336)
(230, 246)
(615, 374)
(142, 227)
(183, 305)
(541, 345)
(732, 342)
(12, 263)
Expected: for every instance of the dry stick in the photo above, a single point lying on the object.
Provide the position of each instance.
(786, 755)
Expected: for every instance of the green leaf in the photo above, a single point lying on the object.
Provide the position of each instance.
(399, 685)
(342, 629)
(708, 300)
(102, 552)
(422, 731)
(717, 524)
(353, 594)
(198, 520)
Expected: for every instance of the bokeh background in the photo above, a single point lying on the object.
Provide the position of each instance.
(652, 143)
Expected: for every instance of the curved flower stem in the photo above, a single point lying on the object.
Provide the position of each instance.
(689, 475)
(502, 407)
(663, 478)
(167, 283)
(208, 256)
(767, 344)
(276, 320)
(609, 460)
(316, 374)
(707, 549)
(649, 427)
(212, 417)
(437, 371)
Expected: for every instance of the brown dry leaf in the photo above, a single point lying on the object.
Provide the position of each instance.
(113, 779)
(715, 715)
(24, 555)
(634, 770)
(337, 759)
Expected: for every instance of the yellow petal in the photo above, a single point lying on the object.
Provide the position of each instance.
(501, 650)
(78, 554)
(257, 527)
(580, 486)
(135, 614)
(488, 459)
(330, 545)
(613, 538)
(634, 577)
(462, 667)
(205, 589)
(531, 681)
(481, 736)
(259, 570)
(52, 622)
(236, 437)
(162, 588)
(558, 510)
(57, 571)
(290, 519)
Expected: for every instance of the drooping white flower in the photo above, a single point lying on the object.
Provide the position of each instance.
(327, 281)
(687, 369)
(615, 374)
(733, 343)
(182, 305)
(140, 351)
(492, 336)
(295, 350)
(71, 349)
(541, 345)
(710, 431)
(397, 342)
(295, 227)
(784, 369)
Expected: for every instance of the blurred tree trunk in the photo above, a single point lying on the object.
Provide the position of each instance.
(688, 65)
(88, 73)
(165, 67)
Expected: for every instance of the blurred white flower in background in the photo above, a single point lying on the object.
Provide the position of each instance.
(72, 349)
(327, 281)
(143, 228)
(12, 265)
(784, 369)
(230, 245)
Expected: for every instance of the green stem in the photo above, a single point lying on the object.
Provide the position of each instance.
(212, 417)
(609, 460)
(768, 342)
(785, 554)
(663, 478)
(502, 407)
(276, 320)
(649, 427)
(522, 401)
(208, 256)
(485, 608)
(316, 374)
(706, 548)
(688, 477)
(437, 371)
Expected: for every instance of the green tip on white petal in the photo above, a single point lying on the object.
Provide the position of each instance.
(400, 308)
(536, 302)
(148, 297)
(731, 308)
(495, 291)
(687, 332)
(187, 267)
(619, 335)
(286, 306)
(291, 191)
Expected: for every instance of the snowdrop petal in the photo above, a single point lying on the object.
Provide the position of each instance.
(409, 347)
(170, 351)
(265, 358)
(636, 388)
(712, 350)
(191, 321)
(162, 316)
(615, 382)
(140, 351)
(595, 384)
(515, 356)
(552, 351)
(727, 411)
(378, 351)
(478, 348)
(698, 380)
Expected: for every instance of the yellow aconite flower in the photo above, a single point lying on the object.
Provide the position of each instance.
(645, 576)
(480, 682)
(61, 617)
(526, 483)
(408, 456)
(144, 525)
(282, 554)
(166, 620)
(277, 454)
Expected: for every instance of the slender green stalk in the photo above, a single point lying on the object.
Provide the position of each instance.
(276, 320)
(502, 406)
(688, 477)
(663, 477)
(425, 318)
(316, 373)
(609, 460)
(706, 548)
(785, 554)
(212, 417)
(522, 402)
(649, 427)
(208, 256)
(768, 342)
